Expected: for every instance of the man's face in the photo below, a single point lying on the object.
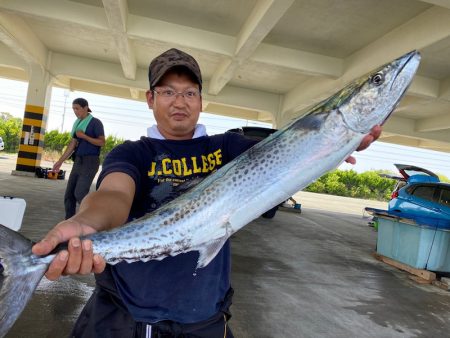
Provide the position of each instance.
(175, 116)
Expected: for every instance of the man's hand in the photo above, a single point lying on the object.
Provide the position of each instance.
(57, 166)
(78, 259)
(374, 134)
(80, 134)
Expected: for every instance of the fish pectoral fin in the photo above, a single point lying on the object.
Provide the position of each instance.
(209, 251)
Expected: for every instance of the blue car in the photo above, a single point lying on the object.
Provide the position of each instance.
(419, 193)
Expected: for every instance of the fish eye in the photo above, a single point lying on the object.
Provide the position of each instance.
(377, 79)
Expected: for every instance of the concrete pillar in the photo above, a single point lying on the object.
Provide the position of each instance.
(34, 122)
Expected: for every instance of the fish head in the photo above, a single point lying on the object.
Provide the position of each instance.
(370, 100)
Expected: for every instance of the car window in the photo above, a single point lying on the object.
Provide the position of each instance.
(410, 189)
(425, 192)
(444, 199)
(399, 185)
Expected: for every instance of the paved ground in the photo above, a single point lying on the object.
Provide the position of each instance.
(297, 275)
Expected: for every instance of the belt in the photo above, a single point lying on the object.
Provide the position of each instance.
(170, 329)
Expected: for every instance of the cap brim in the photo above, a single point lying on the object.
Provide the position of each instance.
(165, 69)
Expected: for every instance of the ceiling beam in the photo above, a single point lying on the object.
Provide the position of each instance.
(418, 143)
(433, 145)
(441, 3)
(145, 30)
(63, 11)
(117, 14)
(424, 87)
(300, 61)
(402, 126)
(424, 30)
(264, 16)
(440, 122)
(96, 71)
(16, 34)
(444, 89)
(427, 28)
(9, 59)
(109, 73)
(135, 93)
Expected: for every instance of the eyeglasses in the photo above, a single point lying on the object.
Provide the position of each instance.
(189, 94)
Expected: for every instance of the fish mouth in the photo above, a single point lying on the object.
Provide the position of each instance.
(401, 74)
(406, 62)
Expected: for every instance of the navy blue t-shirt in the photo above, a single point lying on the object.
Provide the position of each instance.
(95, 130)
(172, 289)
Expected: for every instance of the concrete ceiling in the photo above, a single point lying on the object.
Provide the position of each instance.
(261, 59)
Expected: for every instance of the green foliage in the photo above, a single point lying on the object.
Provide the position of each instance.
(10, 131)
(110, 143)
(443, 178)
(368, 185)
(56, 141)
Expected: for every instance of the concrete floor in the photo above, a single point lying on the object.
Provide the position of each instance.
(297, 275)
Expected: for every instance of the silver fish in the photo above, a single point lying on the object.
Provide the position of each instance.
(203, 218)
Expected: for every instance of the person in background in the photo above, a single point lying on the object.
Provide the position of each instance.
(167, 298)
(88, 137)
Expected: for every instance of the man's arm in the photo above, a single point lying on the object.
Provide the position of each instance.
(96, 141)
(106, 208)
(69, 150)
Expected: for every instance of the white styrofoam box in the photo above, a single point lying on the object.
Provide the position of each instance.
(11, 212)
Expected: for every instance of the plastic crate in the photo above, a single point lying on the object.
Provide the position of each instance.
(422, 243)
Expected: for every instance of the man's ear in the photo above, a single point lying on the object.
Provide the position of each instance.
(150, 98)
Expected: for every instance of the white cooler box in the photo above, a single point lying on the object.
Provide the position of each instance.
(11, 211)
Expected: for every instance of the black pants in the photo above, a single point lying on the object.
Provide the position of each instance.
(105, 316)
(80, 180)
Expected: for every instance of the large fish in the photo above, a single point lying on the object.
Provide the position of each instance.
(203, 218)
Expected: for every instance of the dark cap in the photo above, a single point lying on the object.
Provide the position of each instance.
(169, 59)
(82, 103)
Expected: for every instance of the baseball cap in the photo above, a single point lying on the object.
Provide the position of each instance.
(169, 59)
(82, 103)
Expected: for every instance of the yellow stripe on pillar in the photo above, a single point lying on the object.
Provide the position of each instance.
(30, 148)
(28, 161)
(32, 122)
(34, 109)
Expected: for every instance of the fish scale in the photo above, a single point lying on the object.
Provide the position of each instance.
(203, 218)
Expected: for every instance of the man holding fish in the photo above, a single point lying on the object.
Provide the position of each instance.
(172, 296)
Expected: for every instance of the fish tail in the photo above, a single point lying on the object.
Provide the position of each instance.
(20, 273)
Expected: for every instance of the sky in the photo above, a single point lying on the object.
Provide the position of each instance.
(129, 119)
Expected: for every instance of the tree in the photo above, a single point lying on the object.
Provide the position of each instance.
(10, 131)
(57, 142)
(110, 143)
(367, 185)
